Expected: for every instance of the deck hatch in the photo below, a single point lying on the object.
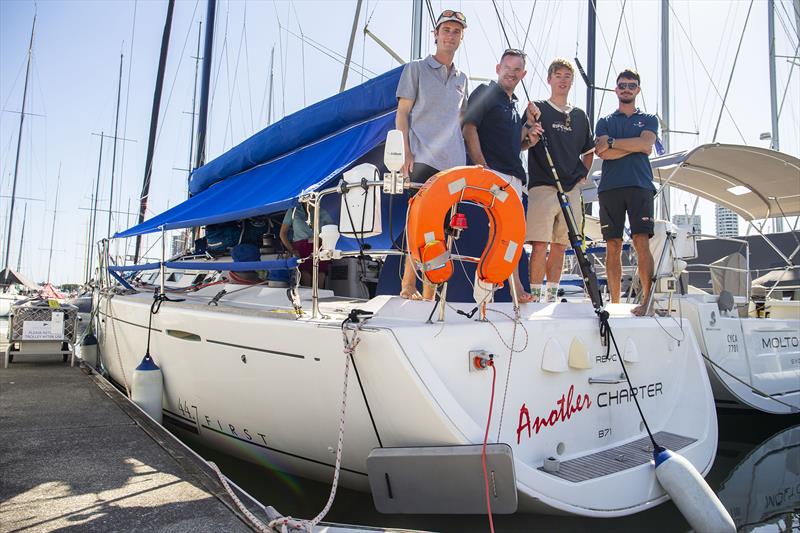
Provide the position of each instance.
(617, 459)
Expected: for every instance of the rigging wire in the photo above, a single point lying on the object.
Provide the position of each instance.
(364, 41)
(725, 32)
(247, 71)
(282, 58)
(302, 50)
(788, 81)
(733, 69)
(680, 24)
(613, 51)
(693, 88)
(328, 52)
(222, 58)
(633, 55)
(236, 89)
(791, 31)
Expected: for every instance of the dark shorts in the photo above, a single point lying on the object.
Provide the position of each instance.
(305, 249)
(420, 174)
(636, 202)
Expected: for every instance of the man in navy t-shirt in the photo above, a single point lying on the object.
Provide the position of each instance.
(625, 139)
(569, 137)
(495, 133)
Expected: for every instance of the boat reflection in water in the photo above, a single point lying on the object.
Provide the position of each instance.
(764, 488)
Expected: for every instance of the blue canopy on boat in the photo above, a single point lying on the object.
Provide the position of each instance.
(300, 153)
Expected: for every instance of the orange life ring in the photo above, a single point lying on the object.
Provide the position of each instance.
(429, 207)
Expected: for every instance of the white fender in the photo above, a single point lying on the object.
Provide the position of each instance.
(147, 388)
(691, 494)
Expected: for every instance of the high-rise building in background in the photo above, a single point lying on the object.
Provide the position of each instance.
(693, 220)
(727, 222)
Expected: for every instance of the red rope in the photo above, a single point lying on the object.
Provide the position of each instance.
(483, 454)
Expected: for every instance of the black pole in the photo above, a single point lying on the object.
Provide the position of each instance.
(590, 60)
(202, 118)
(19, 143)
(591, 38)
(148, 165)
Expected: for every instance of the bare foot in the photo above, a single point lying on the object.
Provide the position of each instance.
(410, 293)
(524, 297)
(639, 310)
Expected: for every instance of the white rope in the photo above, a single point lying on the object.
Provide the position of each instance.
(350, 344)
(508, 370)
(258, 524)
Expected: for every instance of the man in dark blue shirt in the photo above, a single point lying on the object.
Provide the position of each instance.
(495, 133)
(624, 142)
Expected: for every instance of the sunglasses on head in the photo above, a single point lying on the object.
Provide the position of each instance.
(513, 52)
(450, 13)
(630, 86)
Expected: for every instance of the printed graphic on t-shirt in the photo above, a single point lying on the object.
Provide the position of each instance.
(562, 127)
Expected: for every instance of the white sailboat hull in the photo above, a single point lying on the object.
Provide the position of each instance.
(252, 381)
(752, 362)
(7, 300)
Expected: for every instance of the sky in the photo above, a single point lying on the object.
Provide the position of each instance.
(76, 61)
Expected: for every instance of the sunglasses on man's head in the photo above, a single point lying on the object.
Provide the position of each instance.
(450, 13)
(630, 86)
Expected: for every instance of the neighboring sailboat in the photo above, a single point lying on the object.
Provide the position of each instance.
(11, 289)
(753, 361)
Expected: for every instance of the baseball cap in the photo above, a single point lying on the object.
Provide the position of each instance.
(455, 16)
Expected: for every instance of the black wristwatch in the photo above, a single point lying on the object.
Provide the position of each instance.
(610, 142)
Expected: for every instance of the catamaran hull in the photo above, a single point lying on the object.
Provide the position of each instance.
(753, 363)
(259, 385)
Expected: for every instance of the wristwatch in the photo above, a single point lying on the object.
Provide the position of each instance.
(610, 142)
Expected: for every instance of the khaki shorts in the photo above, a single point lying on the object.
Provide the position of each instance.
(545, 222)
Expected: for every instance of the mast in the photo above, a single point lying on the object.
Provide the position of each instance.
(53, 229)
(114, 150)
(151, 142)
(202, 118)
(591, 38)
(343, 84)
(94, 206)
(773, 85)
(775, 144)
(665, 103)
(19, 143)
(416, 29)
(271, 80)
(194, 102)
(22, 237)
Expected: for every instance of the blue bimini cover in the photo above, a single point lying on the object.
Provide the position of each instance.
(299, 154)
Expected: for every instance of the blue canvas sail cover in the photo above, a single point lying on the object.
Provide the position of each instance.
(301, 153)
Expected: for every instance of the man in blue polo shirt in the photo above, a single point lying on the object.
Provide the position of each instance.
(625, 139)
(495, 133)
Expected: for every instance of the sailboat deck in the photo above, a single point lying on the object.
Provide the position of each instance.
(617, 459)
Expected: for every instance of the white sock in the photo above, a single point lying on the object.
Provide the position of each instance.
(552, 292)
(536, 292)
